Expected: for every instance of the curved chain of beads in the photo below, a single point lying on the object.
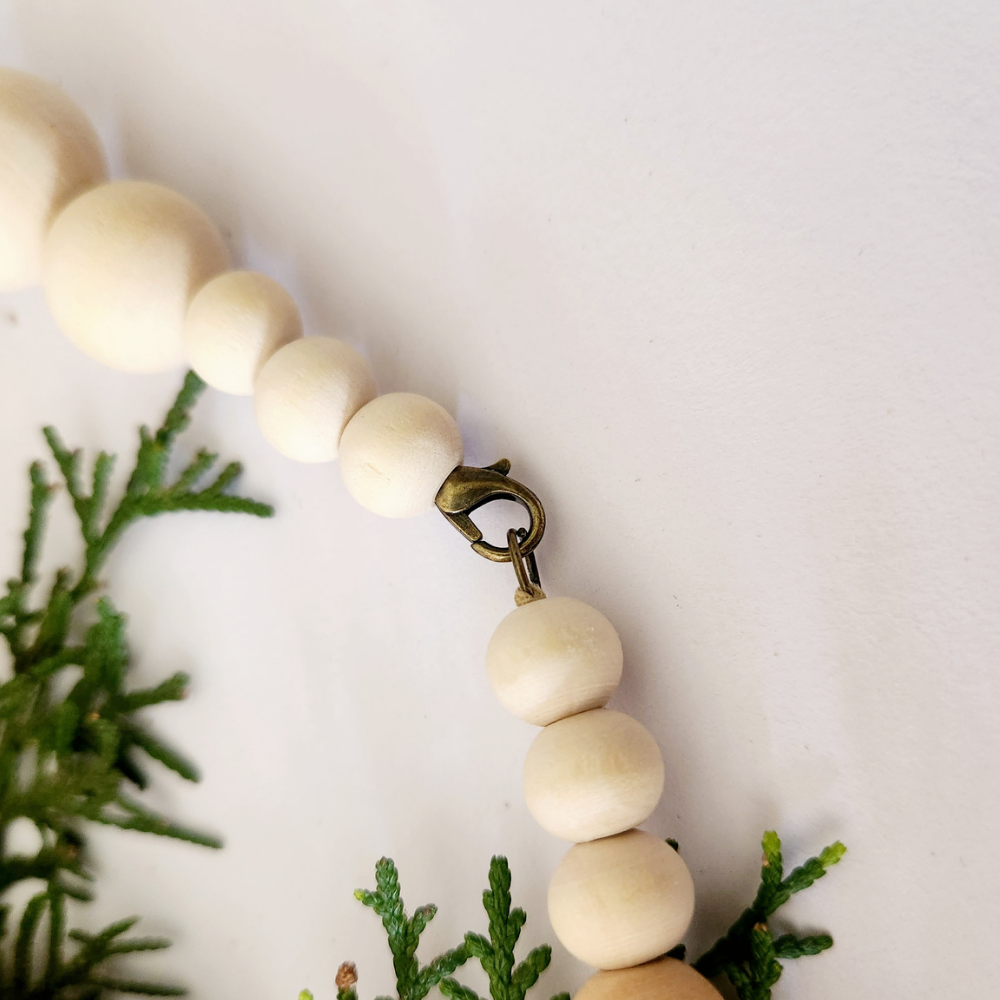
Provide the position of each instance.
(138, 278)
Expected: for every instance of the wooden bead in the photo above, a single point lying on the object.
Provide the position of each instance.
(121, 265)
(307, 392)
(621, 901)
(234, 324)
(48, 154)
(593, 775)
(396, 453)
(667, 979)
(554, 658)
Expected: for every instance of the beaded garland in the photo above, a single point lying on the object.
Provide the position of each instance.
(139, 279)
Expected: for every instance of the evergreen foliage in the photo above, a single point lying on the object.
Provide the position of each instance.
(66, 760)
(496, 955)
(412, 981)
(749, 954)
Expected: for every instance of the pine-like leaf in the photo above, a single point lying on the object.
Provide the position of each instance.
(64, 760)
(748, 953)
(508, 981)
(403, 933)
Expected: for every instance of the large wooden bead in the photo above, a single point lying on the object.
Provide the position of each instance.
(666, 979)
(122, 262)
(48, 153)
(621, 901)
(307, 392)
(593, 775)
(553, 658)
(396, 453)
(234, 324)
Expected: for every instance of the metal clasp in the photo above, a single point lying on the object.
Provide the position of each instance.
(469, 488)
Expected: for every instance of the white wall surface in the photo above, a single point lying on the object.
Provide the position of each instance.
(721, 280)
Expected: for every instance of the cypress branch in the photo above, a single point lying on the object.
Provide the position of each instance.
(161, 752)
(508, 981)
(41, 495)
(412, 981)
(748, 953)
(172, 689)
(65, 761)
(26, 939)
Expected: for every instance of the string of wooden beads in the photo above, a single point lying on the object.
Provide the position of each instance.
(138, 278)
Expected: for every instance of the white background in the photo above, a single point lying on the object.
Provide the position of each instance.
(721, 280)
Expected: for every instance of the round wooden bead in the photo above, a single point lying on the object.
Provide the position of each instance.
(121, 265)
(397, 451)
(48, 153)
(553, 658)
(621, 901)
(307, 392)
(234, 324)
(593, 775)
(667, 979)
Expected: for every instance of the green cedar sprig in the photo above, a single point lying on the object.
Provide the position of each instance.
(412, 981)
(66, 761)
(749, 954)
(508, 981)
(496, 955)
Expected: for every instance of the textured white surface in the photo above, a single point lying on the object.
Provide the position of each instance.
(553, 658)
(234, 324)
(121, 264)
(621, 901)
(649, 982)
(593, 775)
(49, 153)
(307, 394)
(397, 451)
(721, 280)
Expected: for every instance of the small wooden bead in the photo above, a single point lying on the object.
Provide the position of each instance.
(593, 775)
(554, 658)
(48, 154)
(121, 265)
(396, 453)
(667, 979)
(307, 392)
(621, 901)
(234, 324)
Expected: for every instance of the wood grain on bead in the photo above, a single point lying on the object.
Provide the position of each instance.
(593, 775)
(234, 324)
(621, 901)
(554, 658)
(667, 979)
(48, 154)
(306, 394)
(122, 263)
(396, 453)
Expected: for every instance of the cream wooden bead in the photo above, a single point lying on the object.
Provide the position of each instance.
(307, 392)
(121, 265)
(593, 775)
(621, 901)
(396, 453)
(667, 979)
(48, 153)
(234, 324)
(553, 658)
